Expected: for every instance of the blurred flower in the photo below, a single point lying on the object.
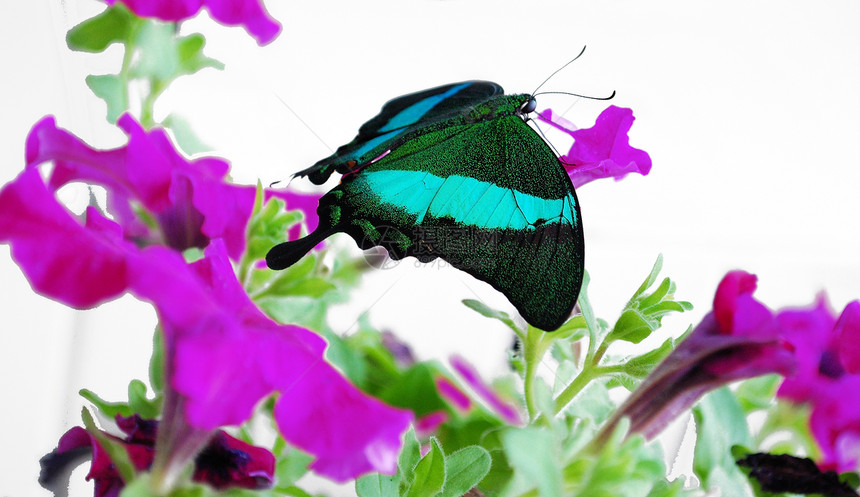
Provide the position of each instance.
(452, 393)
(739, 339)
(823, 345)
(848, 334)
(603, 150)
(224, 462)
(506, 411)
(248, 13)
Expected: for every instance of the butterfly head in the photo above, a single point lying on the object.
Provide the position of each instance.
(528, 106)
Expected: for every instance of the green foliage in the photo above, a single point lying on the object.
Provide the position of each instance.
(644, 312)
(154, 56)
(115, 25)
(720, 424)
(138, 403)
(432, 475)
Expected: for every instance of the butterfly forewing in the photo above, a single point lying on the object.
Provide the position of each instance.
(399, 116)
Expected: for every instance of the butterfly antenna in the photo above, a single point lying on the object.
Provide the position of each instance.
(610, 97)
(559, 69)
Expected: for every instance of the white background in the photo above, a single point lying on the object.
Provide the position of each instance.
(748, 109)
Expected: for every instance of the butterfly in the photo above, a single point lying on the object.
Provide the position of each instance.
(455, 172)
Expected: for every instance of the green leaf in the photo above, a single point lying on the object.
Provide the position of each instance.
(533, 453)
(643, 313)
(156, 362)
(641, 366)
(191, 58)
(409, 457)
(109, 409)
(429, 473)
(146, 408)
(720, 424)
(652, 277)
(292, 464)
(415, 390)
(376, 485)
(464, 469)
(758, 393)
(632, 327)
(111, 89)
(184, 135)
(115, 450)
(486, 311)
(163, 56)
(114, 25)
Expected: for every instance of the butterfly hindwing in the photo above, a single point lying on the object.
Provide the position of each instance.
(398, 116)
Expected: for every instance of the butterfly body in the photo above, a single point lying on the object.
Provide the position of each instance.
(456, 172)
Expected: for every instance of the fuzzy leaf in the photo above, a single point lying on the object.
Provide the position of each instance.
(484, 310)
(376, 485)
(464, 469)
(532, 452)
(429, 473)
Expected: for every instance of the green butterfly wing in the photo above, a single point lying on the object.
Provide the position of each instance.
(482, 191)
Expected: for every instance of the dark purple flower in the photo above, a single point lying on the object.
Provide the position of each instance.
(248, 13)
(224, 462)
(739, 339)
(603, 150)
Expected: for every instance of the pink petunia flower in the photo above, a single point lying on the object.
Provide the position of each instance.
(189, 200)
(247, 13)
(224, 462)
(603, 150)
(739, 339)
(223, 355)
(825, 353)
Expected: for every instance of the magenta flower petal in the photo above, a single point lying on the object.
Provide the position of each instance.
(249, 13)
(81, 266)
(450, 392)
(505, 410)
(190, 199)
(848, 334)
(234, 356)
(349, 432)
(810, 332)
(835, 423)
(166, 10)
(428, 424)
(603, 150)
